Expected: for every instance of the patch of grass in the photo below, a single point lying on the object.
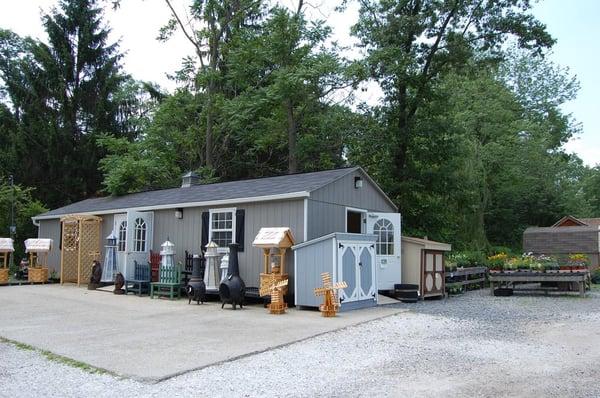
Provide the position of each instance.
(58, 358)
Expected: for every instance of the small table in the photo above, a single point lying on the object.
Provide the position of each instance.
(518, 277)
(463, 277)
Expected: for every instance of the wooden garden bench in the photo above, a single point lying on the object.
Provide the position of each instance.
(140, 284)
(169, 283)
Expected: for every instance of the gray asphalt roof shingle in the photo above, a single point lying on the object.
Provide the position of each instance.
(209, 192)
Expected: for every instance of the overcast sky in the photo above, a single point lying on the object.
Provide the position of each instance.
(136, 24)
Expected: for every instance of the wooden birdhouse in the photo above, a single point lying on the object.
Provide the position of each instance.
(6, 249)
(38, 250)
(274, 242)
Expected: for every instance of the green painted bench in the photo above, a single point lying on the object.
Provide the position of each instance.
(169, 283)
(140, 284)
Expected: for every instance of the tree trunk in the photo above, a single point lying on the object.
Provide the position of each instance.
(292, 131)
(209, 127)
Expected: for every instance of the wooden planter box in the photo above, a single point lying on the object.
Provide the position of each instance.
(3, 275)
(38, 275)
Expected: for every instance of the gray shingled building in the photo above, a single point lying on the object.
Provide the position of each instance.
(566, 236)
(311, 204)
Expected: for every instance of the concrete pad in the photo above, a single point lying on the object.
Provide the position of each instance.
(153, 339)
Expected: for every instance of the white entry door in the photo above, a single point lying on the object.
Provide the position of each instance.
(139, 239)
(386, 226)
(120, 231)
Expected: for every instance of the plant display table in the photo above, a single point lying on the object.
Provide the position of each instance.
(509, 279)
(465, 277)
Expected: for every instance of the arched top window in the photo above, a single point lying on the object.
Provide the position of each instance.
(122, 236)
(384, 230)
(139, 235)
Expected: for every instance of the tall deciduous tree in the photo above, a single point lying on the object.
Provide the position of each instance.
(214, 24)
(285, 79)
(410, 43)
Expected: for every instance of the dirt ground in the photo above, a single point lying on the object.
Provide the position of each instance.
(473, 345)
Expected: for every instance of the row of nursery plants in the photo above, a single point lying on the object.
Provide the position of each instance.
(504, 262)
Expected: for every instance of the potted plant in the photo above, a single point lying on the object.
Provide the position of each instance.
(460, 259)
(550, 264)
(496, 262)
(522, 264)
(511, 265)
(578, 262)
(450, 265)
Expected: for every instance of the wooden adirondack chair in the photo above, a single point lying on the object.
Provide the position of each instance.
(169, 283)
(140, 284)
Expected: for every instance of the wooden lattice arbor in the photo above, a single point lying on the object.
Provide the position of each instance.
(80, 247)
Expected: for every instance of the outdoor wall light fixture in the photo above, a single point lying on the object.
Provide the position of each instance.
(358, 182)
(179, 213)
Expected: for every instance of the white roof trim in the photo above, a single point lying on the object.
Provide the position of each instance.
(284, 196)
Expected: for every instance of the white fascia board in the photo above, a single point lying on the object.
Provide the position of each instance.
(221, 202)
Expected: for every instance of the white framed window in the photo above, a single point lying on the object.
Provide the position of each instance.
(384, 229)
(139, 235)
(221, 228)
(122, 236)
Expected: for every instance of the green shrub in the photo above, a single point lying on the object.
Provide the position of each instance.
(493, 250)
(596, 276)
(468, 259)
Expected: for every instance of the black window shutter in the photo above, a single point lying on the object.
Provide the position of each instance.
(239, 229)
(204, 235)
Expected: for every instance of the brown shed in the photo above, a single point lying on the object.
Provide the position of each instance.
(568, 235)
(423, 265)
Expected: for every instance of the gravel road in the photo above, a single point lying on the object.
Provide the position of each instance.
(473, 345)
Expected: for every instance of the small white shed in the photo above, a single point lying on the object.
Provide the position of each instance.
(423, 265)
(346, 257)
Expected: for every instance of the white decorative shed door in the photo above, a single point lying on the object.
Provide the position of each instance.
(355, 268)
(386, 226)
(139, 239)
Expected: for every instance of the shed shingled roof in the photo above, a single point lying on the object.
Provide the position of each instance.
(232, 190)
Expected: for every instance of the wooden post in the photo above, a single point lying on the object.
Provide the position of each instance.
(266, 260)
(79, 253)
(62, 252)
(282, 260)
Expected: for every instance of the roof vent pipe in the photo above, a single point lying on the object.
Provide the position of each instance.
(189, 179)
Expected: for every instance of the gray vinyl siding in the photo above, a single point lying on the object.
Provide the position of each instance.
(186, 233)
(324, 218)
(312, 261)
(327, 205)
(50, 229)
(342, 192)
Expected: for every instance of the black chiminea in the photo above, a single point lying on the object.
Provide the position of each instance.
(233, 288)
(196, 288)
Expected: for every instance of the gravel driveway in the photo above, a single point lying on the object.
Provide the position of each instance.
(472, 345)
